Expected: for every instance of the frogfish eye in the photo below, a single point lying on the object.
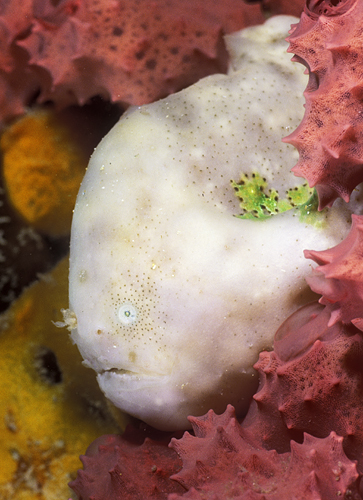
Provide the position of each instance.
(127, 314)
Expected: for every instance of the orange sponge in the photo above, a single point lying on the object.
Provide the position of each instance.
(42, 168)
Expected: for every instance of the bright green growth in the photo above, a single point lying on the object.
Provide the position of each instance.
(309, 212)
(257, 201)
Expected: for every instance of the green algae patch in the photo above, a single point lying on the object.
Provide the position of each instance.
(309, 213)
(258, 201)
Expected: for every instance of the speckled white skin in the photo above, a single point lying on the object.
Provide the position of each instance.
(174, 296)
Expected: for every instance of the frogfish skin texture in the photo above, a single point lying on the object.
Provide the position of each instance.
(328, 41)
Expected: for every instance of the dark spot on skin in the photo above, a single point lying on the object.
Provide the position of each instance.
(174, 50)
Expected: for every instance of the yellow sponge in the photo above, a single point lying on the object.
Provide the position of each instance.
(51, 407)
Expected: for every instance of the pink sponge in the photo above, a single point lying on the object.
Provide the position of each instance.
(339, 276)
(310, 384)
(328, 41)
(220, 464)
(129, 51)
(128, 467)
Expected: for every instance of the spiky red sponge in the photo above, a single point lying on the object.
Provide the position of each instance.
(129, 51)
(128, 467)
(312, 382)
(14, 20)
(18, 81)
(219, 464)
(328, 40)
(339, 276)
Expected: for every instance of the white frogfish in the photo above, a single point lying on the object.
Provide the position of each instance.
(188, 236)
